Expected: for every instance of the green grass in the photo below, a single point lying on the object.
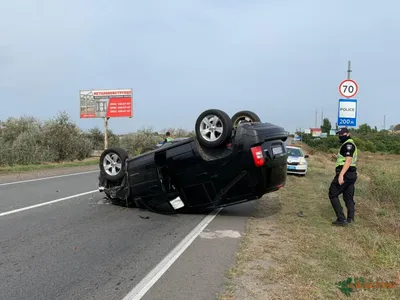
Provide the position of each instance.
(45, 166)
(304, 257)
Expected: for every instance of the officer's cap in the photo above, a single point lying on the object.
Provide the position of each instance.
(342, 131)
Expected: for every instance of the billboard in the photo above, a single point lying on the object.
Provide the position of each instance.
(316, 133)
(116, 103)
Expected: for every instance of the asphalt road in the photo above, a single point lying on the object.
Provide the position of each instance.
(85, 248)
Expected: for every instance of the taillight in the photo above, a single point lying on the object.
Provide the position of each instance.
(258, 156)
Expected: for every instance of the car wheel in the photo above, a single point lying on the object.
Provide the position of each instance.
(112, 163)
(244, 116)
(213, 128)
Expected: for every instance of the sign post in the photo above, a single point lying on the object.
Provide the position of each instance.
(347, 110)
(106, 104)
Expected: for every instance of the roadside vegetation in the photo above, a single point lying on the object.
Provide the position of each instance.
(291, 251)
(367, 139)
(27, 143)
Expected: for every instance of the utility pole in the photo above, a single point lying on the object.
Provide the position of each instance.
(322, 117)
(316, 117)
(348, 69)
(384, 122)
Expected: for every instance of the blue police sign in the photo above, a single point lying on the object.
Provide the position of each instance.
(347, 112)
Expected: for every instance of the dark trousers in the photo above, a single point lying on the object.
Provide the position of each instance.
(347, 189)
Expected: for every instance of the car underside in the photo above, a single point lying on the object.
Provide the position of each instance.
(230, 161)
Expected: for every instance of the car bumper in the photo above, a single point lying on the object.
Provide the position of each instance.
(299, 169)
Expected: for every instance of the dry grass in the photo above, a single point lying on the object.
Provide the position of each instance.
(284, 256)
(45, 166)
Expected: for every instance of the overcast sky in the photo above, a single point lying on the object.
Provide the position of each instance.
(282, 59)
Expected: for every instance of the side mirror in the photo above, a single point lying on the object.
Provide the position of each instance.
(306, 156)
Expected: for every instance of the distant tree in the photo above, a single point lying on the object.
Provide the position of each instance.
(326, 125)
(364, 129)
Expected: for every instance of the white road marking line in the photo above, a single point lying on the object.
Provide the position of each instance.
(151, 278)
(46, 178)
(45, 203)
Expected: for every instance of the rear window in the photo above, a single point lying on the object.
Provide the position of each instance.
(294, 152)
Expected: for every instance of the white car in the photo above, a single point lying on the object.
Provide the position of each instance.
(296, 161)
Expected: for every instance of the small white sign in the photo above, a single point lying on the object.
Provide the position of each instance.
(347, 110)
(177, 203)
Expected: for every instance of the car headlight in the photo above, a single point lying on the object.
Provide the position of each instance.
(302, 161)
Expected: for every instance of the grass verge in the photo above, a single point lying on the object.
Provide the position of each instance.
(44, 166)
(287, 256)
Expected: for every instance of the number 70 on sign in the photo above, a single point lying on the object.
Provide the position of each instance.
(348, 88)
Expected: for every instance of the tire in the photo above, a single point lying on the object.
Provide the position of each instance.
(115, 155)
(244, 116)
(203, 123)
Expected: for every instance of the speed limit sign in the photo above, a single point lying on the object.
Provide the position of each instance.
(348, 88)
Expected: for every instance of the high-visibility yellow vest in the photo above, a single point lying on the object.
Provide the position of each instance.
(169, 139)
(341, 159)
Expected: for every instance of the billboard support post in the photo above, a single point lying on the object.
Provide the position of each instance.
(106, 133)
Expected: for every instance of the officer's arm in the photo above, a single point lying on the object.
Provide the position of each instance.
(349, 152)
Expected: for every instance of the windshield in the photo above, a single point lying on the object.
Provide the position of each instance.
(294, 152)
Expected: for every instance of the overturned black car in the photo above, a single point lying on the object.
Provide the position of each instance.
(231, 160)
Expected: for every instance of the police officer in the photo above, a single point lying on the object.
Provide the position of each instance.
(168, 137)
(345, 178)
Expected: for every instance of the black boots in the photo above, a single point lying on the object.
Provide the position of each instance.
(340, 222)
(343, 222)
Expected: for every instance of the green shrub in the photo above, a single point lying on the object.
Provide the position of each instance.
(136, 142)
(366, 139)
(27, 140)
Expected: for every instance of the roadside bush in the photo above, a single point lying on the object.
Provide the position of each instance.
(28, 149)
(374, 142)
(64, 139)
(96, 137)
(27, 140)
(135, 142)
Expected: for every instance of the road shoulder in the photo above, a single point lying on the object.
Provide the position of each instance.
(199, 273)
(35, 174)
(292, 251)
